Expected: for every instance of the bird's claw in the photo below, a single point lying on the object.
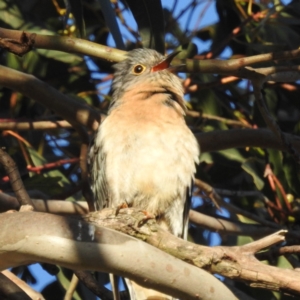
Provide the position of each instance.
(147, 217)
(119, 207)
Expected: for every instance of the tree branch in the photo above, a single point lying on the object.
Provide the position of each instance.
(233, 262)
(219, 225)
(15, 179)
(80, 245)
(74, 45)
(73, 111)
(33, 125)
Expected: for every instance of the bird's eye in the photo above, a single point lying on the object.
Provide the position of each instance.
(138, 69)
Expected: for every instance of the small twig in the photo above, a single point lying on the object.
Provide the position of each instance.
(283, 193)
(9, 290)
(277, 251)
(209, 190)
(265, 242)
(52, 165)
(30, 125)
(15, 179)
(196, 114)
(72, 287)
(224, 226)
(208, 85)
(23, 285)
(91, 283)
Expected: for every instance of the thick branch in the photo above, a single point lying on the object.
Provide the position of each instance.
(9, 290)
(25, 288)
(240, 138)
(82, 244)
(80, 208)
(234, 262)
(77, 244)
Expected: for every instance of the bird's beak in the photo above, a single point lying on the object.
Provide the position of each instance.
(165, 64)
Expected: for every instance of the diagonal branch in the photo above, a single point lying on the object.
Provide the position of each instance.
(233, 262)
(15, 179)
(73, 111)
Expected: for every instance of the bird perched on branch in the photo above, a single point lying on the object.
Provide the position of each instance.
(144, 154)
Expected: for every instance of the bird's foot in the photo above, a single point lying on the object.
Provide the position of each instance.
(120, 206)
(147, 216)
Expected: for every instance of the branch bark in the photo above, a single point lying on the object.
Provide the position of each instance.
(74, 45)
(84, 244)
(80, 245)
(73, 111)
(80, 208)
(15, 179)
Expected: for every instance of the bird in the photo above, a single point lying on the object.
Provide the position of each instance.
(144, 154)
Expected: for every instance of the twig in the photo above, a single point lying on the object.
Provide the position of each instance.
(265, 242)
(224, 226)
(15, 179)
(30, 125)
(196, 114)
(9, 290)
(277, 251)
(23, 285)
(209, 190)
(72, 287)
(91, 283)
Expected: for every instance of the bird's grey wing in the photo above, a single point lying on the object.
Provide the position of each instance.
(99, 186)
(97, 162)
(186, 210)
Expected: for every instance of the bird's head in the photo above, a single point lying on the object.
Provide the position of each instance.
(144, 66)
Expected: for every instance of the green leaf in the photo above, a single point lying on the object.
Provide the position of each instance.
(243, 240)
(54, 176)
(233, 154)
(11, 15)
(254, 167)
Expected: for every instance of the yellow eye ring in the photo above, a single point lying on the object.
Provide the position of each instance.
(138, 69)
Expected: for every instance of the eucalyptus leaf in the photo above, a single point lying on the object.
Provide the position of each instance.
(254, 167)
